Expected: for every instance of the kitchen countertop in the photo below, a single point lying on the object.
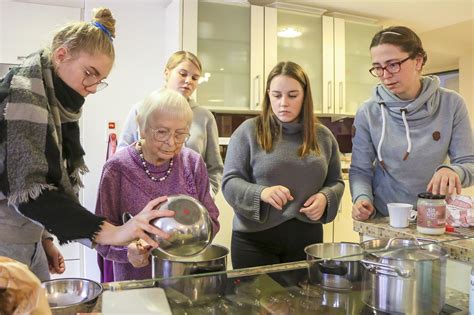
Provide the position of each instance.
(260, 293)
(454, 298)
(460, 249)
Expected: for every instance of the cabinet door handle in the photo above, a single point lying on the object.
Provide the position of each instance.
(329, 95)
(341, 95)
(256, 94)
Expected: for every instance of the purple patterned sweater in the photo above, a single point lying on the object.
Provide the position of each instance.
(124, 186)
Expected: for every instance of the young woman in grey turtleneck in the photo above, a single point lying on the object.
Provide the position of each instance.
(282, 175)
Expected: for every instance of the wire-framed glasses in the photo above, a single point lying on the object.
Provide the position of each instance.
(164, 134)
(91, 80)
(392, 67)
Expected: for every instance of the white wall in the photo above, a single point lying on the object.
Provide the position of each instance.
(142, 47)
(466, 82)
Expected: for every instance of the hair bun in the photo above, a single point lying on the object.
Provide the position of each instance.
(104, 17)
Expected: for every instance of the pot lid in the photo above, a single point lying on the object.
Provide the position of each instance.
(403, 249)
(413, 254)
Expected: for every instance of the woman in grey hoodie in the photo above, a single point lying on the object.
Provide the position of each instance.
(403, 134)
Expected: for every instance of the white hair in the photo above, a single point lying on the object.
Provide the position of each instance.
(167, 102)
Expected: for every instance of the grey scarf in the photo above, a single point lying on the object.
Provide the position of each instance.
(31, 140)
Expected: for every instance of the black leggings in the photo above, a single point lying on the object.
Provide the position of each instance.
(280, 244)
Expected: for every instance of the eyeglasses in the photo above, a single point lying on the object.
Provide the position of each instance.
(163, 134)
(393, 67)
(91, 80)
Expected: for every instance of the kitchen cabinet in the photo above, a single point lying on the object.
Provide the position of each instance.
(333, 50)
(27, 27)
(295, 33)
(226, 216)
(343, 223)
(228, 39)
(347, 82)
(239, 44)
(341, 229)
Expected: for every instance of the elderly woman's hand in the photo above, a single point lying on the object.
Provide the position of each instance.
(314, 207)
(445, 182)
(136, 228)
(362, 210)
(138, 253)
(277, 196)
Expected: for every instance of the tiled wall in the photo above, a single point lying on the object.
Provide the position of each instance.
(227, 123)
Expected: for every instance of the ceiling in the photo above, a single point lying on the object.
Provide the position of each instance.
(445, 26)
(421, 15)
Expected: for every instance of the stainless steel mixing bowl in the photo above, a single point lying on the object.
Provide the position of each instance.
(190, 228)
(72, 295)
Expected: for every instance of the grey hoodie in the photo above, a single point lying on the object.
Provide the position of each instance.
(436, 127)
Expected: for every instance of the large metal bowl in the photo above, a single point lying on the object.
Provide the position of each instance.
(190, 229)
(72, 295)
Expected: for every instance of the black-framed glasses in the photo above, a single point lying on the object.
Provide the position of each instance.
(91, 80)
(392, 67)
(164, 134)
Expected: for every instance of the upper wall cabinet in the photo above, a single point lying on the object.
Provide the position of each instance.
(27, 27)
(228, 38)
(347, 81)
(296, 34)
(239, 44)
(333, 50)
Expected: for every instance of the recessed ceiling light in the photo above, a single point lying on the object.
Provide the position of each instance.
(289, 33)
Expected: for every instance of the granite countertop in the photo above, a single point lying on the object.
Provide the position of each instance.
(459, 248)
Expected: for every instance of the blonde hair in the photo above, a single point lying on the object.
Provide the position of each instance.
(87, 37)
(166, 102)
(180, 56)
(268, 125)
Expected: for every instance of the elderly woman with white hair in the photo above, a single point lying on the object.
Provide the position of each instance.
(157, 165)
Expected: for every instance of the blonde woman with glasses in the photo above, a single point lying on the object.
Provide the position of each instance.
(157, 165)
(403, 134)
(41, 156)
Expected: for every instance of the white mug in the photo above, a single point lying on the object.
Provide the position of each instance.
(401, 214)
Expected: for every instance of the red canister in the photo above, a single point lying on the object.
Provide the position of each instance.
(431, 214)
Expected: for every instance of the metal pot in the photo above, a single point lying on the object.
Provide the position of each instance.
(329, 269)
(404, 276)
(195, 288)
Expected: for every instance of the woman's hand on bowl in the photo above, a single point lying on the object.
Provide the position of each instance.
(136, 228)
(140, 224)
(138, 253)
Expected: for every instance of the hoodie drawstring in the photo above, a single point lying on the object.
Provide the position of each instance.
(407, 132)
(379, 147)
(384, 124)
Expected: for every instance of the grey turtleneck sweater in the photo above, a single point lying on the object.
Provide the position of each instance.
(249, 169)
(438, 127)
